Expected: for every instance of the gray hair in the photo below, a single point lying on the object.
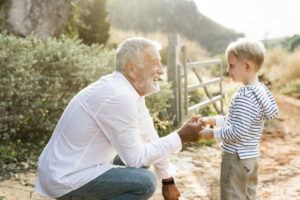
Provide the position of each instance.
(246, 49)
(130, 49)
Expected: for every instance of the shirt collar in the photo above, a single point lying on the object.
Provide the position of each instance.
(127, 83)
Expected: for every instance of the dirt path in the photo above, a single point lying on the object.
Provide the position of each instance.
(199, 167)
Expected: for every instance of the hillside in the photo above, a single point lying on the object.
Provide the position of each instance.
(180, 16)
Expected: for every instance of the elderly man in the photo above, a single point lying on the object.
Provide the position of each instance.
(109, 118)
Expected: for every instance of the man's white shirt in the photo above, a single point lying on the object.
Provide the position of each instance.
(106, 118)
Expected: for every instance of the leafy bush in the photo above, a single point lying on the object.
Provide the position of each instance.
(158, 105)
(38, 78)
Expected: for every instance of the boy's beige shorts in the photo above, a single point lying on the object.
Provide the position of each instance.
(238, 177)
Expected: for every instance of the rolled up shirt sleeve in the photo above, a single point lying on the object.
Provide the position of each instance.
(163, 167)
(220, 120)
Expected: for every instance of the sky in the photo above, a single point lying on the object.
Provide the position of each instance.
(258, 19)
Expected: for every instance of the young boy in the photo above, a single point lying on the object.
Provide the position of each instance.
(241, 129)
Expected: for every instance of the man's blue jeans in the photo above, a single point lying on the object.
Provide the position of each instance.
(117, 184)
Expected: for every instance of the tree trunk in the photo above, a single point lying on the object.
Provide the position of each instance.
(43, 18)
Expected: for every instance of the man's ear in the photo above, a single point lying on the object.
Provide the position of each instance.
(130, 69)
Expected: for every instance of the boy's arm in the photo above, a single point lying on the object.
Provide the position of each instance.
(219, 121)
(245, 112)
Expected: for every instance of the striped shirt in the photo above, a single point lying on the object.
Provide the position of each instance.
(242, 127)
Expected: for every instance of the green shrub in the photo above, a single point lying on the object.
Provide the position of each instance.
(158, 105)
(38, 78)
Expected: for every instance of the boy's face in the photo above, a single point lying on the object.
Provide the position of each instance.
(237, 69)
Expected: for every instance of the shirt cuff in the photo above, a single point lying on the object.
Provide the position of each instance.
(175, 141)
(217, 133)
(166, 172)
(219, 121)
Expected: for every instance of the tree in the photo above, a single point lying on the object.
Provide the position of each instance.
(42, 18)
(294, 42)
(93, 26)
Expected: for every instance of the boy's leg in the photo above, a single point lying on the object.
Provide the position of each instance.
(228, 188)
(117, 184)
(253, 181)
(235, 174)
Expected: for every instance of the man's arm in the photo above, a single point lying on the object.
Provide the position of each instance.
(118, 121)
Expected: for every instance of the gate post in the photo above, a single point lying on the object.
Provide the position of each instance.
(173, 62)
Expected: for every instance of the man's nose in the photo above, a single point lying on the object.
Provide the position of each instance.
(160, 70)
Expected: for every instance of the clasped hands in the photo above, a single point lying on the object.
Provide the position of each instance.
(195, 129)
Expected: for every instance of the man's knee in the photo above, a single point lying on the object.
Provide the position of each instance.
(147, 183)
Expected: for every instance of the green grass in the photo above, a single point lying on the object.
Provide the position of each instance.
(206, 142)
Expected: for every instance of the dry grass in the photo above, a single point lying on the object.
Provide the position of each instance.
(282, 69)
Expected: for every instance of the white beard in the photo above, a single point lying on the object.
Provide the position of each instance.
(150, 86)
(153, 88)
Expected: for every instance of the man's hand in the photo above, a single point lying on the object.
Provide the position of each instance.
(170, 192)
(207, 134)
(189, 132)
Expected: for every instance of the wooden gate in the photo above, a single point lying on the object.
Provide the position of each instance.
(178, 76)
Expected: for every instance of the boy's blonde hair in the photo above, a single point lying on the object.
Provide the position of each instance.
(247, 50)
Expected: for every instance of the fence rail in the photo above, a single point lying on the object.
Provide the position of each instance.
(197, 85)
(193, 66)
(178, 76)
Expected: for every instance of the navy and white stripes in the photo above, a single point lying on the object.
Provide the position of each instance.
(243, 127)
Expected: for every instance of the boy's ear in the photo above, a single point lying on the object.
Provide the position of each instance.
(249, 66)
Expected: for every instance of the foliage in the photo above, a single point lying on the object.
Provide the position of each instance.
(4, 6)
(287, 43)
(294, 42)
(38, 78)
(88, 22)
(158, 105)
(17, 156)
(94, 27)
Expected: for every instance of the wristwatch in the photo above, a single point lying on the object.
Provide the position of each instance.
(169, 181)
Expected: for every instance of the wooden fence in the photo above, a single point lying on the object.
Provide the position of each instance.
(178, 76)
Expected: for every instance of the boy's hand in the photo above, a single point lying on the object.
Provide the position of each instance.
(207, 120)
(207, 134)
